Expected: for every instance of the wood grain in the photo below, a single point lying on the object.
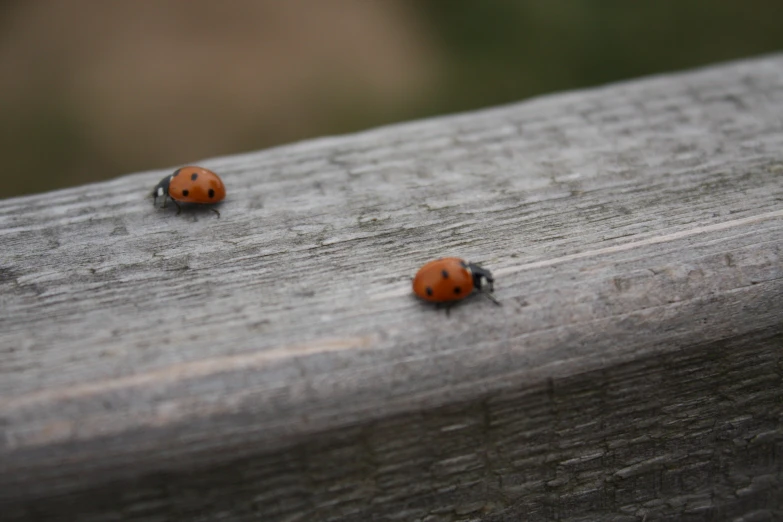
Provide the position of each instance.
(273, 365)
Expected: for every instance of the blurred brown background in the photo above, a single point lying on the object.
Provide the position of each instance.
(92, 89)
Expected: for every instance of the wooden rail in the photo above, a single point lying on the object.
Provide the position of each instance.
(273, 365)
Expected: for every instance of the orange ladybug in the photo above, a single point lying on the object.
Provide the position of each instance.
(450, 279)
(191, 185)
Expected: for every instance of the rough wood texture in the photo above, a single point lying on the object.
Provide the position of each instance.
(272, 364)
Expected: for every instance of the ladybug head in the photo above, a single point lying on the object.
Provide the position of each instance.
(481, 275)
(162, 188)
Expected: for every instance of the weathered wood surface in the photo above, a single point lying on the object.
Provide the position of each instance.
(272, 364)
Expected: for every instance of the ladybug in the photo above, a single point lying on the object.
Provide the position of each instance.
(190, 185)
(450, 279)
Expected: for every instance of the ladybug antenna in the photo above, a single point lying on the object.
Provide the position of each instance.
(492, 298)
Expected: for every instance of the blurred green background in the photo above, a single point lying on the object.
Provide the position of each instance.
(93, 89)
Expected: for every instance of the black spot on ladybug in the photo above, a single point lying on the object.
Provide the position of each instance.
(445, 274)
(463, 264)
(212, 193)
(193, 176)
(457, 290)
(185, 192)
(429, 290)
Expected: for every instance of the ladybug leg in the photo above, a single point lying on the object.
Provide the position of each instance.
(179, 209)
(446, 307)
(215, 211)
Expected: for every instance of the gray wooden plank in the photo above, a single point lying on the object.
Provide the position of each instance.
(622, 223)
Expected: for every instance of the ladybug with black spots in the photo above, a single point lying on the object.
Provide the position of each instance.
(191, 185)
(450, 279)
